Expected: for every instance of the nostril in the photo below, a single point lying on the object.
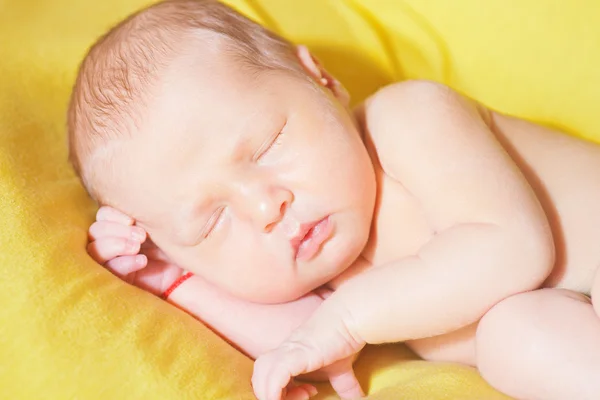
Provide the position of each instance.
(283, 208)
(269, 227)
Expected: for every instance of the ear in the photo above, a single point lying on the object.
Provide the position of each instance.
(315, 70)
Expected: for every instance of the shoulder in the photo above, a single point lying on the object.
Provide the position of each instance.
(403, 99)
(413, 90)
(411, 116)
(419, 102)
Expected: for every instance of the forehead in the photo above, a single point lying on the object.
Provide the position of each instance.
(200, 111)
(206, 94)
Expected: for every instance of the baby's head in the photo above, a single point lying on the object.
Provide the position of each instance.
(226, 143)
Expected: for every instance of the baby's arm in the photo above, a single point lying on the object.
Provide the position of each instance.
(253, 328)
(492, 238)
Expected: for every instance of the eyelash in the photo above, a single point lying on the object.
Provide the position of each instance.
(215, 218)
(212, 222)
(275, 142)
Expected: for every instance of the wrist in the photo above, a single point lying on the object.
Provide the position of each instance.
(173, 286)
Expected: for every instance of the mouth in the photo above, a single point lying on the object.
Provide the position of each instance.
(307, 243)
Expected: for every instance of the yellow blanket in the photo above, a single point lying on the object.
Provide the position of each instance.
(68, 329)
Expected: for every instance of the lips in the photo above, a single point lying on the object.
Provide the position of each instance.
(308, 241)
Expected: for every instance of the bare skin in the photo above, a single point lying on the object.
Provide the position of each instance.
(564, 325)
(562, 172)
(474, 212)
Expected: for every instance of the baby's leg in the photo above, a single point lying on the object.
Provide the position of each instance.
(543, 344)
(457, 346)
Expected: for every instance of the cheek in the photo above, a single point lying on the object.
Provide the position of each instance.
(245, 254)
(340, 165)
(252, 268)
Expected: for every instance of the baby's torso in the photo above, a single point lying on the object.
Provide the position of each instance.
(563, 171)
(565, 174)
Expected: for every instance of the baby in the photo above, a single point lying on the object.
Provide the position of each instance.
(309, 231)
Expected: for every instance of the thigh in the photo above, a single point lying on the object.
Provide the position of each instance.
(457, 346)
(543, 344)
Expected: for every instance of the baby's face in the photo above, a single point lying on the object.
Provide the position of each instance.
(259, 184)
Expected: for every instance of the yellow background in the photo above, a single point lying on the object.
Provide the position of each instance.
(70, 330)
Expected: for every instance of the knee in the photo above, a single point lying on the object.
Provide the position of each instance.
(503, 333)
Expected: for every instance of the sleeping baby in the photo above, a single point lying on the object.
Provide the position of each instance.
(235, 182)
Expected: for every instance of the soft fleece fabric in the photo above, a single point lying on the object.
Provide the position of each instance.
(70, 330)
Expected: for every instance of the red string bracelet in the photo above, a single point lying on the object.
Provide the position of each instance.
(176, 284)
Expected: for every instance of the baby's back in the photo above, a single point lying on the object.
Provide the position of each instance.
(565, 173)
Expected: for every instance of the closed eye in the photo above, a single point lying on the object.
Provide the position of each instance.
(213, 221)
(270, 145)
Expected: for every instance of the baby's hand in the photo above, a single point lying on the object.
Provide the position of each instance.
(124, 249)
(325, 343)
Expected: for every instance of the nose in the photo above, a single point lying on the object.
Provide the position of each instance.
(266, 205)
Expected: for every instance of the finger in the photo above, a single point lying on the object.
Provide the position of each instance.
(265, 385)
(346, 385)
(274, 370)
(103, 229)
(106, 213)
(302, 392)
(106, 249)
(125, 265)
(281, 374)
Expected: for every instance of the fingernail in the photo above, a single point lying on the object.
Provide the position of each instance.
(312, 391)
(140, 259)
(138, 234)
